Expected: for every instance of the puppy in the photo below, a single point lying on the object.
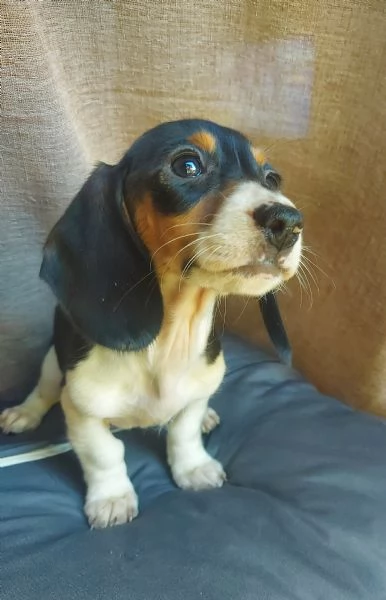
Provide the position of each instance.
(192, 212)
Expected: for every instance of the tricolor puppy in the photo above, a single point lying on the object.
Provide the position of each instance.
(191, 212)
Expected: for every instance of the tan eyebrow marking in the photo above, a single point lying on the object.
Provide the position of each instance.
(259, 156)
(204, 140)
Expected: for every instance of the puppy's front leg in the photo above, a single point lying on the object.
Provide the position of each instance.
(192, 467)
(111, 498)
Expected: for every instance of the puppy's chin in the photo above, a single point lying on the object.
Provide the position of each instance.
(253, 279)
(245, 281)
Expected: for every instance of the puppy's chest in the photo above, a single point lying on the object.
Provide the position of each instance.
(142, 389)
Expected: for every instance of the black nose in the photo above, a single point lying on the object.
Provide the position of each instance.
(282, 224)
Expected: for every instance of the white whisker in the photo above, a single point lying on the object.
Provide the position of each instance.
(126, 292)
(300, 281)
(204, 238)
(243, 310)
(224, 315)
(179, 237)
(311, 263)
(188, 223)
(196, 255)
(306, 268)
(307, 286)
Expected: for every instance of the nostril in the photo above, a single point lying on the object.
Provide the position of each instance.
(261, 215)
(277, 226)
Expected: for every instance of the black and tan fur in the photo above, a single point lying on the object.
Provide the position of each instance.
(191, 212)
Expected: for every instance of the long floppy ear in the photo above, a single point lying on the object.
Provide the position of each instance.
(99, 270)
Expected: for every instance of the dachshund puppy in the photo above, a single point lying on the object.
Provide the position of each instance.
(192, 212)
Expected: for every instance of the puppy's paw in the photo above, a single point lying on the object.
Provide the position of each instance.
(208, 474)
(210, 421)
(18, 419)
(106, 512)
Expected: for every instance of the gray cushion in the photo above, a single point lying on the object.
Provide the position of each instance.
(303, 516)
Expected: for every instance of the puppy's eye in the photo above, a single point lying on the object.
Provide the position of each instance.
(272, 179)
(187, 166)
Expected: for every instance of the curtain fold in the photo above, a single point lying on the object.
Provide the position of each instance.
(304, 79)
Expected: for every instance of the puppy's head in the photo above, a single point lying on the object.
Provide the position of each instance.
(209, 207)
(191, 199)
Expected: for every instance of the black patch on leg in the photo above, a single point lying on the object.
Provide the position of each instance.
(213, 347)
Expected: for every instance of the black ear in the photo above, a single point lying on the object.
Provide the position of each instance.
(99, 270)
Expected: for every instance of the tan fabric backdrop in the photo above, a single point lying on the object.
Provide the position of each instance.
(304, 78)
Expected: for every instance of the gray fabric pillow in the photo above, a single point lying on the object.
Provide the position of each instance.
(303, 516)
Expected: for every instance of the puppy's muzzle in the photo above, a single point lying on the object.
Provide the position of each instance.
(282, 224)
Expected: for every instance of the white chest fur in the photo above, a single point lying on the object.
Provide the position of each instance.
(150, 387)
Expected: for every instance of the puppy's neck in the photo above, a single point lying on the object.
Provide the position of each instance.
(188, 318)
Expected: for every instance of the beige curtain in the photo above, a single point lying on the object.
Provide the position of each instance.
(304, 79)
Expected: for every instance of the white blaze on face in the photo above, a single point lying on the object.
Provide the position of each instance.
(234, 254)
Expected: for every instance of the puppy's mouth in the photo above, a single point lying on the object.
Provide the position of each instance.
(261, 270)
(265, 267)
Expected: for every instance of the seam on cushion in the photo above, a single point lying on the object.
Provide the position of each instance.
(35, 455)
(39, 453)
